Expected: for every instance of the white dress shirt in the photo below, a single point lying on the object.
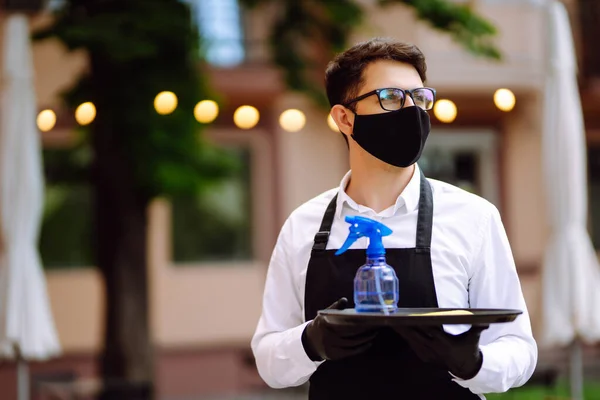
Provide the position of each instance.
(472, 267)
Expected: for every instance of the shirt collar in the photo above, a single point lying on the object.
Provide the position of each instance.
(409, 196)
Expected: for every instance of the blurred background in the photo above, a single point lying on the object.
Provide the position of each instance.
(174, 137)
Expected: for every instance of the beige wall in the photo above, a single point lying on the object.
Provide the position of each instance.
(208, 304)
(55, 68)
(77, 300)
(525, 210)
(310, 161)
(520, 38)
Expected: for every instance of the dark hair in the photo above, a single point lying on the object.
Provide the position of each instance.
(344, 74)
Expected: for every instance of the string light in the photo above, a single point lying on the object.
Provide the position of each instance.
(292, 120)
(445, 110)
(165, 102)
(85, 113)
(46, 120)
(206, 111)
(246, 117)
(504, 99)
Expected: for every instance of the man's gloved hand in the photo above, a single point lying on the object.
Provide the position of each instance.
(459, 354)
(324, 341)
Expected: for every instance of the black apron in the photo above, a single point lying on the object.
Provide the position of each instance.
(389, 369)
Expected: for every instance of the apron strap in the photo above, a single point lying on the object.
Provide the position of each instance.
(425, 219)
(322, 237)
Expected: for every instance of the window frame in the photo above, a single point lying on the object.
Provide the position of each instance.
(486, 144)
(60, 137)
(196, 9)
(262, 179)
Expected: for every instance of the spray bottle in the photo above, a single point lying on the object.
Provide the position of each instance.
(376, 283)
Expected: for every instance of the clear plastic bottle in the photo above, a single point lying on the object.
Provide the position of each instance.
(376, 287)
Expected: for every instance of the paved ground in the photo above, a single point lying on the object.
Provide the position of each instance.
(264, 396)
(540, 378)
(267, 395)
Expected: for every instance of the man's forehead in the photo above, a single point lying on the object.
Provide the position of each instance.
(387, 74)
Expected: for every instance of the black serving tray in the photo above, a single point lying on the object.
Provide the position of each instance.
(419, 316)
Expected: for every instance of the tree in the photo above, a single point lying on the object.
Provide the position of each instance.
(138, 48)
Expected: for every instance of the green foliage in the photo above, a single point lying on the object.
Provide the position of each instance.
(309, 24)
(534, 392)
(65, 239)
(138, 48)
(326, 25)
(216, 225)
(468, 29)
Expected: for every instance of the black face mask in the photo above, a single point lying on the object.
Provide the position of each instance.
(396, 137)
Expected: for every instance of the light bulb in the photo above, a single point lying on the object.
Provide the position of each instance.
(246, 117)
(46, 120)
(292, 120)
(445, 110)
(85, 113)
(165, 103)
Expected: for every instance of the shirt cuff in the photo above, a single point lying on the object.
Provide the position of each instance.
(489, 372)
(297, 352)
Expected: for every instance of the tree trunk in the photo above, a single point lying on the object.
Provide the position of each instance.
(589, 12)
(120, 227)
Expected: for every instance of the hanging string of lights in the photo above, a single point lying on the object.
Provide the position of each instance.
(247, 117)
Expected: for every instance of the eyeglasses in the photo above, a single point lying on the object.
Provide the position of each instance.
(393, 99)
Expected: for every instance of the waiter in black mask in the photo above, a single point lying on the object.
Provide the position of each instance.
(449, 249)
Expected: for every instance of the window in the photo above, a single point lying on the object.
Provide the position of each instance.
(54, 5)
(216, 226)
(221, 32)
(594, 192)
(458, 168)
(467, 159)
(65, 237)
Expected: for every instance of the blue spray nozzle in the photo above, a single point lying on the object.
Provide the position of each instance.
(362, 226)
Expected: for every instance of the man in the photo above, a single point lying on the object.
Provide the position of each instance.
(448, 248)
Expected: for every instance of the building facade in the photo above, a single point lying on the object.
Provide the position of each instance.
(201, 350)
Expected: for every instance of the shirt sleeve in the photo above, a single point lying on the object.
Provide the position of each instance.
(509, 349)
(277, 344)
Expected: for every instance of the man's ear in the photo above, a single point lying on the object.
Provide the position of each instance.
(344, 119)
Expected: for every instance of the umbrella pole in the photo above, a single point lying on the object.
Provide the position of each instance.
(22, 379)
(576, 370)
(22, 375)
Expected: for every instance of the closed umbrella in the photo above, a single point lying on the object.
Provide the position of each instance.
(27, 329)
(571, 274)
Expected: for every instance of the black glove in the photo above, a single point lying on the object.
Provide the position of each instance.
(324, 341)
(458, 354)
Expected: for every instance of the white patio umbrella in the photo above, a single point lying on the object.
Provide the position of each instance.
(571, 274)
(27, 329)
